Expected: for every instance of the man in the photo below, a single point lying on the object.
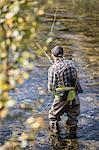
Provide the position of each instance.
(63, 73)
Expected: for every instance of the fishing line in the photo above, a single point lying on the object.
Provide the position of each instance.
(51, 29)
(39, 112)
(50, 33)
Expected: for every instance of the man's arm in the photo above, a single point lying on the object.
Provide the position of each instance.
(50, 79)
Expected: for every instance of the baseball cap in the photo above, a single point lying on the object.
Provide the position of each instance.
(57, 51)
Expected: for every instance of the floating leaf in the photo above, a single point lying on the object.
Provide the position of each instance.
(30, 120)
(35, 125)
(24, 136)
(10, 103)
(3, 113)
(23, 144)
(42, 101)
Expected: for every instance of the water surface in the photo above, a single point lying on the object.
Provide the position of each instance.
(76, 29)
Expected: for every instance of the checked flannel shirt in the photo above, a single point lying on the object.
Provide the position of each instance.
(61, 73)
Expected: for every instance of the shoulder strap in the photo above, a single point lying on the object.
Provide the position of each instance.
(76, 78)
(70, 73)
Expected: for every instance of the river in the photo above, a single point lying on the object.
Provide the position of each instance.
(76, 29)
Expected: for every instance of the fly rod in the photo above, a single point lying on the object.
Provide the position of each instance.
(45, 53)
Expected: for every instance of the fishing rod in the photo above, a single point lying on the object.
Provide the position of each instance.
(45, 53)
(39, 112)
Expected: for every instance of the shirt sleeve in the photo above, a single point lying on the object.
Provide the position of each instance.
(50, 79)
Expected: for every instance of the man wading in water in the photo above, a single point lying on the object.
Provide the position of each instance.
(63, 74)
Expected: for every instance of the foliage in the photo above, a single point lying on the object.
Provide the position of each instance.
(19, 21)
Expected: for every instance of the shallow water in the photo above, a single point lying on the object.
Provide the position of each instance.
(76, 29)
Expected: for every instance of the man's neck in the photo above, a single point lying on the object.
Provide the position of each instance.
(58, 58)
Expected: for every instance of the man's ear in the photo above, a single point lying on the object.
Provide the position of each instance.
(53, 56)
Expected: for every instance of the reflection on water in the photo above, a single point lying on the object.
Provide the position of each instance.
(77, 30)
(57, 142)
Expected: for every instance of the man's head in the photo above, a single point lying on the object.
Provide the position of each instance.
(57, 51)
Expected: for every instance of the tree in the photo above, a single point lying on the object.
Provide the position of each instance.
(19, 21)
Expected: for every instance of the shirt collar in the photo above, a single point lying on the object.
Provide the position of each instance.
(59, 60)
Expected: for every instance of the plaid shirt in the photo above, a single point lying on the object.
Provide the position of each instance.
(63, 73)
